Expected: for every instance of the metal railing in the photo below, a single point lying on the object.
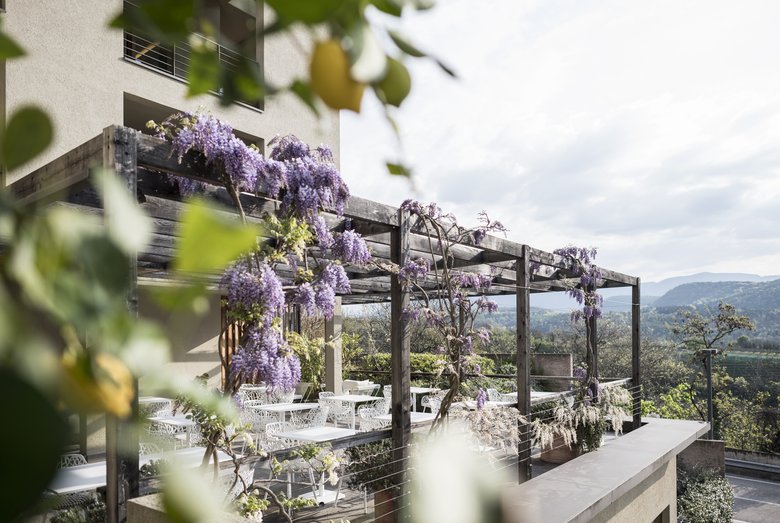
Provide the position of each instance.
(174, 60)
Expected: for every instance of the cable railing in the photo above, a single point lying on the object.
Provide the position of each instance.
(174, 60)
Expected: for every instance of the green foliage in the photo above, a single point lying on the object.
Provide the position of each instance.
(420, 362)
(94, 512)
(210, 241)
(312, 356)
(370, 466)
(703, 498)
(27, 134)
(676, 404)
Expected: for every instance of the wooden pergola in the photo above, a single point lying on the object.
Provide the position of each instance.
(139, 159)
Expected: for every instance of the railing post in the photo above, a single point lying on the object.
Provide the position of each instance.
(636, 385)
(523, 311)
(333, 354)
(399, 363)
(120, 153)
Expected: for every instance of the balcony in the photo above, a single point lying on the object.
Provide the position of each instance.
(174, 61)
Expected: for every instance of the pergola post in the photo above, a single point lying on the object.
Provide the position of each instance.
(635, 345)
(593, 343)
(120, 153)
(523, 322)
(333, 354)
(400, 359)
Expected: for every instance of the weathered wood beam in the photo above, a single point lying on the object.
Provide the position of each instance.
(49, 182)
(523, 361)
(122, 474)
(400, 356)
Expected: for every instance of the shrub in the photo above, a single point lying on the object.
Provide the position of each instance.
(703, 497)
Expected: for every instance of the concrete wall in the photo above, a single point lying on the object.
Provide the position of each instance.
(655, 496)
(704, 454)
(75, 71)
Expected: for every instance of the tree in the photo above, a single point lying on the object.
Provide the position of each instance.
(704, 336)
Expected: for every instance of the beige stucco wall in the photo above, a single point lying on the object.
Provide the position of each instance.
(194, 338)
(75, 71)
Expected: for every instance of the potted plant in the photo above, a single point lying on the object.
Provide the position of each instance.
(370, 469)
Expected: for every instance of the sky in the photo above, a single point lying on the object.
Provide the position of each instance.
(650, 130)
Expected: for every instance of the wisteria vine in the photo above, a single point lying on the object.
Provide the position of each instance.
(449, 300)
(306, 181)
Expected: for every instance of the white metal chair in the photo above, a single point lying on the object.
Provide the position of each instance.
(338, 411)
(272, 431)
(368, 417)
(146, 448)
(493, 395)
(430, 402)
(315, 417)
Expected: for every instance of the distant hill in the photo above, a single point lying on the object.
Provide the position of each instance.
(744, 295)
(617, 300)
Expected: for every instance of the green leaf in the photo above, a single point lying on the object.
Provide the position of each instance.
(209, 241)
(445, 68)
(397, 169)
(9, 48)
(28, 133)
(128, 226)
(165, 20)
(305, 11)
(203, 74)
(45, 433)
(405, 45)
(304, 92)
(242, 81)
(391, 7)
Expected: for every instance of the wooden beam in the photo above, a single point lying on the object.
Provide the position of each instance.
(122, 475)
(636, 382)
(523, 311)
(49, 182)
(400, 356)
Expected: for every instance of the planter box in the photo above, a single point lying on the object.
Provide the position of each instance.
(560, 452)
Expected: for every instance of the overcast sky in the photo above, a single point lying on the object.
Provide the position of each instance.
(650, 130)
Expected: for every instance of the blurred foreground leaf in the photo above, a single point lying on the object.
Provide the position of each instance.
(28, 133)
(33, 440)
(210, 241)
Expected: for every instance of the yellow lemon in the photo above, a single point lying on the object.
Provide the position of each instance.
(110, 388)
(330, 79)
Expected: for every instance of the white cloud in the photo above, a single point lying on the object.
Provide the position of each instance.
(648, 129)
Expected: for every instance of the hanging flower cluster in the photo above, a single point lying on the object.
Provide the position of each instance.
(306, 181)
(590, 278)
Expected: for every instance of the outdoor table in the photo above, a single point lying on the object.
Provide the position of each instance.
(282, 408)
(151, 404)
(93, 475)
(317, 434)
(420, 390)
(179, 421)
(354, 399)
(416, 417)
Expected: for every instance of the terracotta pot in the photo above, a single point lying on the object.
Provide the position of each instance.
(384, 505)
(559, 452)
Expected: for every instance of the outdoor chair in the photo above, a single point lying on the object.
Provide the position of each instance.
(67, 501)
(325, 394)
(368, 417)
(146, 448)
(338, 411)
(315, 417)
(493, 395)
(431, 403)
(271, 435)
(155, 408)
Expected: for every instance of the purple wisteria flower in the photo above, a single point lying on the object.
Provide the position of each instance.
(254, 292)
(414, 269)
(481, 398)
(350, 247)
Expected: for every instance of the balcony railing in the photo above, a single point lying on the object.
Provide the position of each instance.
(175, 60)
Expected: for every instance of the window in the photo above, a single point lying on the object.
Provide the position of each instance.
(238, 27)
